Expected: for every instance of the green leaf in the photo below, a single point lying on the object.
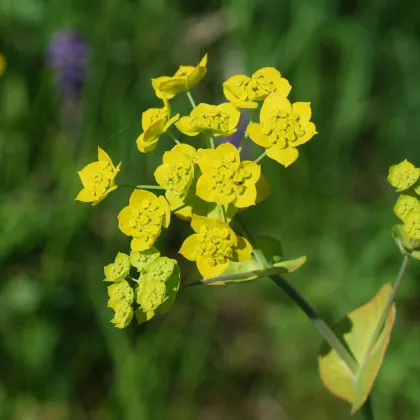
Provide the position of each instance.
(251, 270)
(356, 331)
(408, 246)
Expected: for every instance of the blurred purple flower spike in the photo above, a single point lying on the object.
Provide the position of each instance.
(67, 55)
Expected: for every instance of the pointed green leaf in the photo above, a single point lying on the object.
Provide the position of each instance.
(408, 246)
(251, 270)
(356, 330)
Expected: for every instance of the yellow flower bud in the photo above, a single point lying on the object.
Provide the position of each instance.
(412, 224)
(118, 270)
(123, 314)
(403, 175)
(406, 204)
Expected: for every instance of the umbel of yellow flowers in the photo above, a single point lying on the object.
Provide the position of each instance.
(205, 185)
(98, 179)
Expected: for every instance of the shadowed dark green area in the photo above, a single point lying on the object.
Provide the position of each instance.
(240, 352)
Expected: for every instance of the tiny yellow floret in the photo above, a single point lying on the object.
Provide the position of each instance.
(185, 78)
(143, 218)
(282, 128)
(213, 246)
(98, 179)
(120, 291)
(177, 171)
(406, 204)
(244, 92)
(155, 122)
(403, 175)
(220, 120)
(225, 179)
(123, 313)
(119, 269)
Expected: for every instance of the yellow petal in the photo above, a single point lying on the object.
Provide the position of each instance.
(208, 271)
(156, 84)
(283, 156)
(228, 149)
(234, 114)
(124, 218)
(103, 156)
(198, 221)
(254, 169)
(146, 147)
(283, 87)
(206, 157)
(243, 249)
(263, 189)
(88, 173)
(170, 122)
(180, 152)
(164, 205)
(138, 196)
(188, 248)
(247, 198)
(103, 196)
(161, 175)
(184, 126)
(175, 202)
(197, 74)
(85, 195)
(273, 104)
(255, 133)
(303, 109)
(203, 189)
(139, 244)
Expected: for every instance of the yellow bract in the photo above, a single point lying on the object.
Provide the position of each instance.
(185, 78)
(123, 313)
(120, 291)
(98, 179)
(143, 219)
(177, 171)
(225, 179)
(213, 246)
(403, 175)
(405, 204)
(220, 120)
(244, 91)
(412, 224)
(154, 121)
(2, 64)
(282, 128)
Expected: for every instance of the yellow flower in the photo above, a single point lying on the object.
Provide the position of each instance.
(2, 64)
(220, 120)
(244, 91)
(143, 218)
(154, 121)
(213, 246)
(282, 128)
(403, 175)
(120, 291)
(118, 270)
(123, 313)
(405, 204)
(225, 179)
(98, 179)
(185, 78)
(412, 224)
(141, 259)
(177, 171)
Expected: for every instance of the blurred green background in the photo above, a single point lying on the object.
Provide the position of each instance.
(241, 352)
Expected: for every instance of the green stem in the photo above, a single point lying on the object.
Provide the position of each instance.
(260, 157)
(142, 187)
(132, 279)
(179, 208)
(211, 138)
(173, 137)
(241, 144)
(191, 99)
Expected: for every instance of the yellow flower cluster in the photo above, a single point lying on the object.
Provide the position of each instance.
(202, 183)
(405, 178)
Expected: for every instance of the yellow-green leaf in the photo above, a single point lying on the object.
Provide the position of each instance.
(408, 246)
(356, 331)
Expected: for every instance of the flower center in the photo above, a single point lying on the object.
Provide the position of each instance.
(151, 295)
(213, 120)
(226, 178)
(258, 87)
(283, 128)
(215, 245)
(156, 114)
(146, 220)
(102, 179)
(178, 177)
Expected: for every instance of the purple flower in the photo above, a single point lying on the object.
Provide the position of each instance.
(67, 55)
